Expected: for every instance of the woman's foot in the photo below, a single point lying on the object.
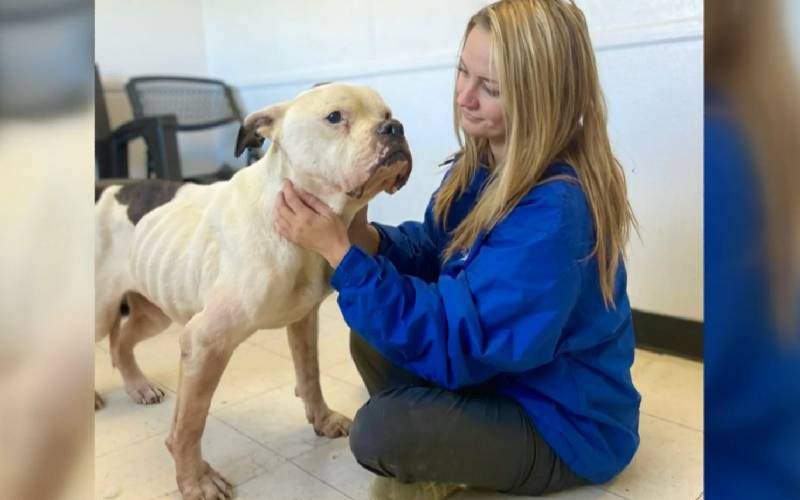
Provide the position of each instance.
(384, 488)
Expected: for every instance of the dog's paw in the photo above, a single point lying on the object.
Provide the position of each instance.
(98, 401)
(209, 486)
(332, 425)
(144, 393)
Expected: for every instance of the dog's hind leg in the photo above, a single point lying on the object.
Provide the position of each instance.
(303, 342)
(144, 321)
(106, 324)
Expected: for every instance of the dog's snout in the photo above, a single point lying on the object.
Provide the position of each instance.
(391, 127)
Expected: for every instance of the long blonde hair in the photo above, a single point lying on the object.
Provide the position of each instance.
(747, 59)
(554, 110)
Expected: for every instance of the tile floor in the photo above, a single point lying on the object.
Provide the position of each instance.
(257, 435)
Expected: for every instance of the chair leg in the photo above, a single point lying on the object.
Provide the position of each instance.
(162, 147)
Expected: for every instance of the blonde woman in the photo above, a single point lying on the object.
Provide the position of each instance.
(752, 253)
(495, 337)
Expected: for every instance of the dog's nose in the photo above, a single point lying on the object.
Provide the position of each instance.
(391, 127)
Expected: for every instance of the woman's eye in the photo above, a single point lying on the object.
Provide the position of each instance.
(491, 92)
(334, 117)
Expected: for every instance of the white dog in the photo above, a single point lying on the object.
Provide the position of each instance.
(207, 257)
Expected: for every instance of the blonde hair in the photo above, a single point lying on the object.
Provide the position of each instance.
(747, 59)
(554, 111)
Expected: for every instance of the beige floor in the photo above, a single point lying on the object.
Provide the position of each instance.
(258, 438)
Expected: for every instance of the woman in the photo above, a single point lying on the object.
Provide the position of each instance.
(495, 337)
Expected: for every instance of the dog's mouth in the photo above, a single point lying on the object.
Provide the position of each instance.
(395, 156)
(400, 160)
(389, 174)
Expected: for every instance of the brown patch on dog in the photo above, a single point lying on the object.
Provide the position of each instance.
(144, 196)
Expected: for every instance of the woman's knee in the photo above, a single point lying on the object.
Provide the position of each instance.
(369, 433)
(380, 437)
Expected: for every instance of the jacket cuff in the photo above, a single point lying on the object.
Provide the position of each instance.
(385, 242)
(355, 265)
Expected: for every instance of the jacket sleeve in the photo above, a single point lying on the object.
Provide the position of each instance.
(412, 247)
(503, 312)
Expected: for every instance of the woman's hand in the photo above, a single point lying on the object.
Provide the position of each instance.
(308, 222)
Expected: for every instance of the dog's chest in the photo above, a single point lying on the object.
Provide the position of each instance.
(293, 291)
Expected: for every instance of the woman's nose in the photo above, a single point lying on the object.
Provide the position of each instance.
(466, 95)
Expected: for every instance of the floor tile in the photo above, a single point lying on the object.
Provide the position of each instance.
(333, 344)
(277, 419)
(287, 482)
(122, 422)
(668, 464)
(334, 463)
(671, 388)
(345, 371)
(146, 469)
(251, 371)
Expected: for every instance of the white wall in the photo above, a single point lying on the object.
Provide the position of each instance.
(153, 37)
(650, 58)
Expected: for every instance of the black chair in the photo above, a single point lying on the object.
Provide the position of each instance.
(111, 146)
(197, 103)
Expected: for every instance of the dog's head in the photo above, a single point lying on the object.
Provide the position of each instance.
(342, 136)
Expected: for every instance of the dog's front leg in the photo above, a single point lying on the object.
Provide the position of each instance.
(303, 342)
(206, 347)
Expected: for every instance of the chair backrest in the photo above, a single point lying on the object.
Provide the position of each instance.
(197, 103)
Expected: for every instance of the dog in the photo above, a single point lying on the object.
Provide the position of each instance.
(207, 257)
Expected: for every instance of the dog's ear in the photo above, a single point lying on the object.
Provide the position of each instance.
(257, 126)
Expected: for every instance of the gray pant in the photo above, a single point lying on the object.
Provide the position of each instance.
(412, 430)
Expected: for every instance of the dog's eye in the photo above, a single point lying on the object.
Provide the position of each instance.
(334, 117)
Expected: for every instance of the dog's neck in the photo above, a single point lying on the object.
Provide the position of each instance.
(278, 166)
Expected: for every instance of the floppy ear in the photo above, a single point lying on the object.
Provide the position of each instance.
(257, 126)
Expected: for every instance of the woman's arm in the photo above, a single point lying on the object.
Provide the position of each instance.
(412, 247)
(363, 234)
(308, 222)
(504, 312)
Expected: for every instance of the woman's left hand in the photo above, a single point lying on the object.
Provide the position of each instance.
(303, 219)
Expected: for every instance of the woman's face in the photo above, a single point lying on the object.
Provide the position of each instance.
(477, 90)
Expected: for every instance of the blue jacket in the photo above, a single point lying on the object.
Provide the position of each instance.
(521, 314)
(752, 388)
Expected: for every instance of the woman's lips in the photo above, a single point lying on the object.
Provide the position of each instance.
(469, 117)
